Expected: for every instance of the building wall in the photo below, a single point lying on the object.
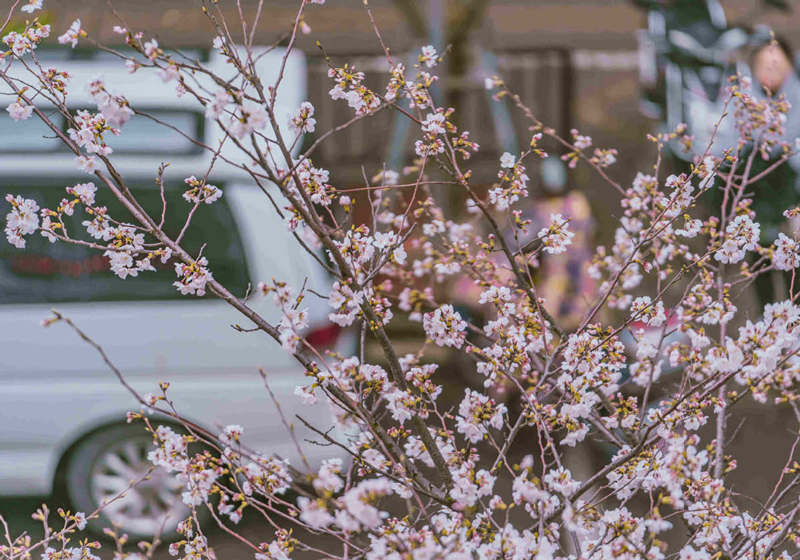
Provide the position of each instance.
(342, 26)
(599, 34)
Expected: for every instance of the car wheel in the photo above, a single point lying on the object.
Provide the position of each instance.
(103, 465)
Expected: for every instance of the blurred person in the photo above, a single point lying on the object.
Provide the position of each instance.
(771, 69)
(563, 280)
(774, 74)
(772, 65)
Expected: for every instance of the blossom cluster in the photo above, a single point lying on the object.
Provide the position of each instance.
(660, 356)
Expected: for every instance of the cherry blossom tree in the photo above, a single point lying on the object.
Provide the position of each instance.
(421, 480)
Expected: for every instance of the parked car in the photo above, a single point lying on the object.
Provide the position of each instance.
(62, 411)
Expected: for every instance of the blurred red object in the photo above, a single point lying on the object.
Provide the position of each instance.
(324, 335)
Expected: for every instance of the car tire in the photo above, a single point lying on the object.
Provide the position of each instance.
(103, 465)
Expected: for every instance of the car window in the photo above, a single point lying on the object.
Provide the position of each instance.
(53, 53)
(142, 135)
(147, 136)
(30, 135)
(57, 272)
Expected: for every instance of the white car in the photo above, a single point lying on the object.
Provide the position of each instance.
(62, 411)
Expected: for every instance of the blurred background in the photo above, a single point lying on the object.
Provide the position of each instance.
(577, 64)
(614, 69)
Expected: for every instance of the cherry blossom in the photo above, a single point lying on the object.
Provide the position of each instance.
(22, 220)
(303, 121)
(556, 238)
(72, 34)
(25, 42)
(787, 253)
(19, 111)
(445, 326)
(428, 56)
(31, 6)
(249, 118)
(193, 277)
(199, 191)
(507, 160)
(475, 413)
